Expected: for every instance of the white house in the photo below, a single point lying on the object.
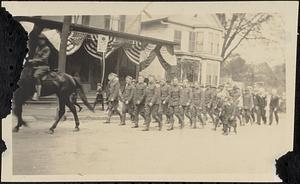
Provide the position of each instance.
(199, 41)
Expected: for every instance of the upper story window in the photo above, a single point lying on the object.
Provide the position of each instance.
(77, 19)
(107, 21)
(177, 39)
(217, 44)
(200, 41)
(122, 23)
(192, 41)
(210, 43)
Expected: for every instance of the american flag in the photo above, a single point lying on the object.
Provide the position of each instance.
(75, 40)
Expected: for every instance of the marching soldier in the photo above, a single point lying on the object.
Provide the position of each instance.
(274, 105)
(236, 94)
(196, 106)
(152, 102)
(228, 117)
(185, 100)
(213, 102)
(113, 98)
(207, 101)
(221, 94)
(164, 88)
(247, 104)
(174, 104)
(253, 110)
(261, 103)
(139, 100)
(127, 99)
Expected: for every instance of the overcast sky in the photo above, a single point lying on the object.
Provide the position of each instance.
(258, 51)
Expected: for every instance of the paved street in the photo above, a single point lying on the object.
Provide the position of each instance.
(111, 149)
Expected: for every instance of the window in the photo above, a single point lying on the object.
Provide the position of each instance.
(200, 41)
(77, 19)
(106, 21)
(192, 41)
(211, 42)
(177, 39)
(122, 23)
(215, 80)
(217, 44)
(208, 80)
(115, 22)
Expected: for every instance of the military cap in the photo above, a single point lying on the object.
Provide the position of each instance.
(235, 87)
(128, 77)
(42, 36)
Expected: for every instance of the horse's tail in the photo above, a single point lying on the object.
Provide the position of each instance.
(82, 95)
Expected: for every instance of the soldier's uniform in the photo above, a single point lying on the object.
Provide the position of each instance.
(164, 109)
(127, 99)
(174, 105)
(139, 102)
(228, 116)
(221, 95)
(274, 105)
(113, 97)
(185, 101)
(152, 102)
(196, 105)
(236, 94)
(247, 105)
(207, 101)
(260, 108)
(213, 103)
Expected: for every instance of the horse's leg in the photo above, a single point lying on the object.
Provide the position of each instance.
(18, 112)
(73, 110)
(61, 112)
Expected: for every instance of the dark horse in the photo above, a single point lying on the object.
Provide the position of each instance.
(59, 83)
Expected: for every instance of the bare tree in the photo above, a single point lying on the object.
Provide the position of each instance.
(239, 27)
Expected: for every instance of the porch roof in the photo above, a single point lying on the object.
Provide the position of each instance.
(93, 30)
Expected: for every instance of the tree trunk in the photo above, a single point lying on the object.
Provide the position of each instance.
(62, 57)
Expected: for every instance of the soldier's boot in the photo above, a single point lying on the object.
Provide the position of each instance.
(147, 126)
(123, 120)
(159, 125)
(136, 125)
(171, 126)
(181, 124)
(37, 94)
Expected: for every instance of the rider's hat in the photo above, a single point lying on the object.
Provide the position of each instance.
(42, 36)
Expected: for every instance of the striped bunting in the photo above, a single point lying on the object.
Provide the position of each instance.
(90, 45)
(75, 40)
(133, 51)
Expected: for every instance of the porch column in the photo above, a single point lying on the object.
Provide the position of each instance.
(62, 55)
(199, 71)
(218, 74)
(203, 72)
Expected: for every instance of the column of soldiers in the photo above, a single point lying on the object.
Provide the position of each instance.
(223, 105)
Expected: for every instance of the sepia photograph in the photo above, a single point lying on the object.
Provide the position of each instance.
(152, 91)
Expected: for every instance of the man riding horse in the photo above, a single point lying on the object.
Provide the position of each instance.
(40, 61)
(58, 83)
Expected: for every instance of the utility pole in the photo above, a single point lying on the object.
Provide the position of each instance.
(62, 56)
